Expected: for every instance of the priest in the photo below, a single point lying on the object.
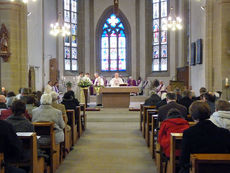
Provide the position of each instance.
(98, 83)
(116, 81)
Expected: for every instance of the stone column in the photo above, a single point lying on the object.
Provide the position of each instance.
(14, 73)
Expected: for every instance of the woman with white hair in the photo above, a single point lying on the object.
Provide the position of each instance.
(45, 112)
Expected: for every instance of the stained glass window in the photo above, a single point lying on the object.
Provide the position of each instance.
(113, 45)
(71, 42)
(160, 36)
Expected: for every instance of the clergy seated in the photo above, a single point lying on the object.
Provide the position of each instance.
(174, 123)
(131, 82)
(11, 146)
(18, 120)
(171, 103)
(221, 117)
(152, 100)
(45, 112)
(204, 137)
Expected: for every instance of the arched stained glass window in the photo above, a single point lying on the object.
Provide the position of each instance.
(160, 36)
(70, 42)
(113, 45)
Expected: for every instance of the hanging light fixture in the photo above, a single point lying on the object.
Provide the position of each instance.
(60, 29)
(24, 1)
(174, 22)
(116, 7)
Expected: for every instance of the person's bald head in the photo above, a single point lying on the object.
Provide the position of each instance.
(116, 75)
(2, 99)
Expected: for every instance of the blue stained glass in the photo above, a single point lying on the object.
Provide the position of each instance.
(113, 45)
(74, 29)
(105, 26)
(74, 53)
(121, 26)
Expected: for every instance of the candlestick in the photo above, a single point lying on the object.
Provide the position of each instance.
(226, 82)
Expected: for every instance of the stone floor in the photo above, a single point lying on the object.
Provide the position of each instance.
(112, 143)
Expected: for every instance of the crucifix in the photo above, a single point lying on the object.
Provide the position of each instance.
(116, 7)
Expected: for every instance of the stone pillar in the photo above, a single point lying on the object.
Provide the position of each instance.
(14, 73)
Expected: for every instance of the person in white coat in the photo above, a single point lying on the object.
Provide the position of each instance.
(116, 81)
(221, 117)
(48, 88)
(99, 82)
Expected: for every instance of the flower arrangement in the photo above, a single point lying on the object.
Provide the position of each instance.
(84, 83)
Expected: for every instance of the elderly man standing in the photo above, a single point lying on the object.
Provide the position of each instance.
(45, 112)
(99, 82)
(116, 81)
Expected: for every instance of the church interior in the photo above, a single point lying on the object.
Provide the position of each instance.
(115, 86)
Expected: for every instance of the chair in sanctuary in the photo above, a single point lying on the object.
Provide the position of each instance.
(210, 163)
(2, 169)
(52, 149)
(33, 163)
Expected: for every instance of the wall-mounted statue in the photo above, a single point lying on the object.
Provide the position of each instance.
(4, 43)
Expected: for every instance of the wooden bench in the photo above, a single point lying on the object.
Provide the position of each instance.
(53, 149)
(71, 122)
(144, 117)
(34, 163)
(210, 163)
(79, 125)
(148, 124)
(153, 135)
(175, 144)
(84, 115)
(2, 169)
(141, 115)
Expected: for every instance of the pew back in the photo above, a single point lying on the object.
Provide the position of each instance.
(210, 163)
(149, 122)
(144, 117)
(2, 170)
(73, 125)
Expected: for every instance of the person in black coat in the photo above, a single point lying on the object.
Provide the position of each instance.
(186, 100)
(204, 137)
(152, 100)
(10, 146)
(171, 103)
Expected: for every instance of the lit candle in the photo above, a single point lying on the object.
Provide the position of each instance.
(226, 82)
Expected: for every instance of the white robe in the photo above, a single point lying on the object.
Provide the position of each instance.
(48, 89)
(78, 89)
(115, 82)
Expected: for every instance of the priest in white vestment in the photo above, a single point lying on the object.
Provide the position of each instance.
(48, 88)
(116, 81)
(99, 82)
(161, 88)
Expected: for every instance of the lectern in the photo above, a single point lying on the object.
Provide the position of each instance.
(117, 97)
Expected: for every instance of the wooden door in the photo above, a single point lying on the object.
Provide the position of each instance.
(53, 70)
(183, 75)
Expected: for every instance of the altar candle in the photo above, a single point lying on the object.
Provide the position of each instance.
(226, 82)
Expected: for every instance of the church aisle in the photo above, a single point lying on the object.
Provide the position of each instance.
(111, 144)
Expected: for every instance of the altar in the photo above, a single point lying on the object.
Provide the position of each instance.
(117, 97)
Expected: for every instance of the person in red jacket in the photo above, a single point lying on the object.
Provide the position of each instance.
(175, 123)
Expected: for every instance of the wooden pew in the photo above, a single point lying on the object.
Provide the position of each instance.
(141, 115)
(84, 115)
(144, 117)
(2, 169)
(210, 163)
(153, 135)
(79, 125)
(47, 129)
(175, 144)
(71, 122)
(148, 124)
(35, 164)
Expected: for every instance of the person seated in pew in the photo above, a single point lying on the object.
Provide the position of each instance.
(163, 100)
(18, 120)
(10, 146)
(221, 117)
(203, 90)
(171, 103)
(210, 98)
(30, 104)
(45, 112)
(186, 100)
(3, 102)
(174, 123)
(10, 98)
(152, 100)
(58, 106)
(204, 137)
